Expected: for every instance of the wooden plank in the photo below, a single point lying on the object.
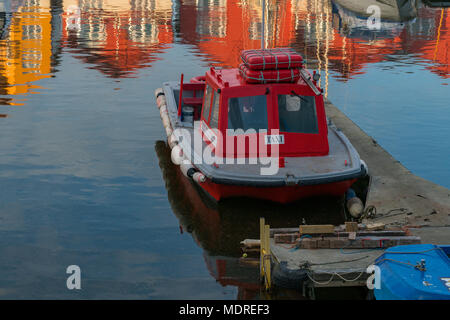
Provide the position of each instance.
(384, 233)
(261, 237)
(351, 226)
(375, 226)
(251, 250)
(285, 237)
(292, 237)
(315, 229)
(308, 243)
(282, 230)
(372, 242)
(323, 243)
(341, 232)
(267, 261)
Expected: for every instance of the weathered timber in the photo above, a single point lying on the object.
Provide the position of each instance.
(315, 229)
(292, 237)
(375, 226)
(358, 243)
(351, 226)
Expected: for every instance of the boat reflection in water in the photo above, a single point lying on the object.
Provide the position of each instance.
(218, 228)
(355, 17)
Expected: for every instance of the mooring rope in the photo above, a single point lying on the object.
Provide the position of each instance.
(332, 276)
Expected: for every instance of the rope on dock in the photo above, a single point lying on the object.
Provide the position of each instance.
(333, 262)
(332, 276)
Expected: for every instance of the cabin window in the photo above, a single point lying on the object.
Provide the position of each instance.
(247, 113)
(207, 103)
(297, 113)
(215, 110)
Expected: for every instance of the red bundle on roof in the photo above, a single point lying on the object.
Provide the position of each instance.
(266, 76)
(269, 59)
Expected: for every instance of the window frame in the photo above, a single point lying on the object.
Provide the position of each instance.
(210, 103)
(277, 99)
(216, 93)
(267, 112)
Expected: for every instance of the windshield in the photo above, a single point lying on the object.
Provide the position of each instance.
(215, 110)
(297, 113)
(247, 113)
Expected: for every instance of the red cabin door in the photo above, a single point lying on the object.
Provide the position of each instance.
(300, 118)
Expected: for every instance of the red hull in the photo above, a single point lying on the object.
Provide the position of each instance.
(284, 194)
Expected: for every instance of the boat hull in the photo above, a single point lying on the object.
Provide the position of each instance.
(283, 194)
(402, 277)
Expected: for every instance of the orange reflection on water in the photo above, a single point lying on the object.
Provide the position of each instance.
(328, 33)
(25, 51)
(118, 37)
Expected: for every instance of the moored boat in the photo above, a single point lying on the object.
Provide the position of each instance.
(258, 131)
(414, 272)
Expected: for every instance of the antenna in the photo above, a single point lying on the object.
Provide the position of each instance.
(262, 24)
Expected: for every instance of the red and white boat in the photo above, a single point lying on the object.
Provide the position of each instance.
(258, 131)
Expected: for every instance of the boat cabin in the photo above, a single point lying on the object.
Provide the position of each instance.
(288, 114)
(258, 131)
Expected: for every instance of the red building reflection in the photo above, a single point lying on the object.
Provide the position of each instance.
(328, 34)
(117, 38)
(121, 38)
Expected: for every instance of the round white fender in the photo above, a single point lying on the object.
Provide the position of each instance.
(355, 207)
(177, 155)
(199, 177)
(172, 140)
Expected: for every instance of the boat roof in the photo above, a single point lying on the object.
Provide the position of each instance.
(231, 78)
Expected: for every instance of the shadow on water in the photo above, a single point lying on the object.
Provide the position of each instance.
(218, 228)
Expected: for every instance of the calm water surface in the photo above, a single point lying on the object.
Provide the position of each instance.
(86, 178)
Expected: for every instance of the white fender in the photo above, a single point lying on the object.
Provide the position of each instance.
(172, 140)
(199, 177)
(355, 207)
(177, 155)
(161, 101)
